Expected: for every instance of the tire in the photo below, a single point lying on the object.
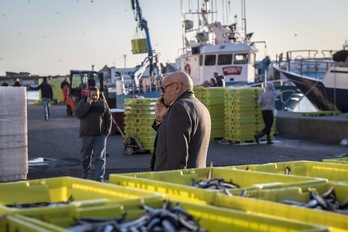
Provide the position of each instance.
(129, 150)
(68, 110)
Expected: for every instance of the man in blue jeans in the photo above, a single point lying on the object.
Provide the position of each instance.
(46, 97)
(95, 126)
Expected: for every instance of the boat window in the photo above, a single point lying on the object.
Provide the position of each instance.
(225, 59)
(210, 60)
(241, 58)
(200, 60)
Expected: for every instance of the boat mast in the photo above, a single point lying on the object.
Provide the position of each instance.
(244, 24)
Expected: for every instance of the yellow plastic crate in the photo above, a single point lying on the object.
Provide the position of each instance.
(330, 171)
(140, 101)
(177, 184)
(84, 192)
(211, 218)
(266, 202)
(18, 223)
(337, 160)
(139, 46)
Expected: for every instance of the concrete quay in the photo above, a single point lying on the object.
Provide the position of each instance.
(54, 146)
(331, 129)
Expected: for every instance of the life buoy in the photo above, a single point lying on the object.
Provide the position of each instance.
(187, 69)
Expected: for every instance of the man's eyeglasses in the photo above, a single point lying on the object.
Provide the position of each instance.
(163, 87)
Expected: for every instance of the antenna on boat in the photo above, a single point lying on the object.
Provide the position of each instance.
(244, 25)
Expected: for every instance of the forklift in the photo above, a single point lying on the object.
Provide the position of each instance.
(79, 84)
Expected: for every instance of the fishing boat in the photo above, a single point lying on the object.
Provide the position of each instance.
(218, 46)
(212, 43)
(322, 76)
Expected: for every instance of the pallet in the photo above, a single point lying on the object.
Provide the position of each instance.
(321, 113)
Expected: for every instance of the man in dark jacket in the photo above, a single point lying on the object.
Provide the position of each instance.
(183, 126)
(95, 126)
(46, 97)
(220, 80)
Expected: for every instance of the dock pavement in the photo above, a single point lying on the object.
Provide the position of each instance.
(54, 148)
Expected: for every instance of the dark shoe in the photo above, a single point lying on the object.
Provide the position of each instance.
(269, 140)
(258, 136)
(257, 139)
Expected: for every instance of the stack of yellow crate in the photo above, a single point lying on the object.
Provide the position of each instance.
(138, 118)
(243, 117)
(213, 99)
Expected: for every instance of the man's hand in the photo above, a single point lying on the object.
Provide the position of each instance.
(89, 100)
(161, 110)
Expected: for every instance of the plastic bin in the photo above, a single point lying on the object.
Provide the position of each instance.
(178, 184)
(330, 171)
(84, 192)
(211, 218)
(266, 202)
(18, 223)
(337, 160)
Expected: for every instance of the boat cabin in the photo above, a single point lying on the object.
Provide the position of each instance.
(236, 62)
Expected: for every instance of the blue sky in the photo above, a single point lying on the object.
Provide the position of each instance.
(53, 36)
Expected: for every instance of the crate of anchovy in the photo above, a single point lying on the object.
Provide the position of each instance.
(325, 204)
(168, 215)
(57, 195)
(139, 116)
(330, 171)
(200, 185)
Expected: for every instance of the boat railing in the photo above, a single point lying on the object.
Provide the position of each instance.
(306, 62)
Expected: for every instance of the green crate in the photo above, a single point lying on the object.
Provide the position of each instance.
(177, 184)
(140, 101)
(266, 202)
(330, 171)
(139, 46)
(84, 192)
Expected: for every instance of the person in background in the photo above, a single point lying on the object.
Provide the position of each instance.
(95, 126)
(46, 97)
(17, 83)
(183, 126)
(220, 80)
(213, 82)
(5, 83)
(267, 101)
(206, 84)
(65, 89)
(49, 81)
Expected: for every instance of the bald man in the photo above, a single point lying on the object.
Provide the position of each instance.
(183, 126)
